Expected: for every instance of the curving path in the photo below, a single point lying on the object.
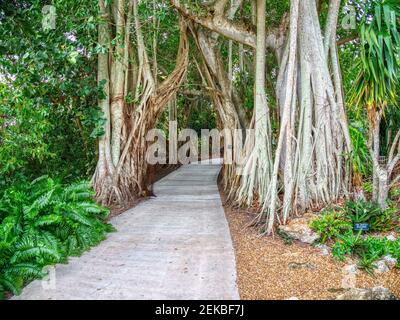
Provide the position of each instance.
(174, 246)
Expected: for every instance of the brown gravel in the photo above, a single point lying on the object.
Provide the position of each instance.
(268, 269)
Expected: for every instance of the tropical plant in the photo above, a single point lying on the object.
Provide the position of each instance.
(375, 88)
(42, 223)
(330, 225)
(393, 248)
(384, 221)
(360, 154)
(361, 211)
(348, 243)
(371, 213)
(367, 250)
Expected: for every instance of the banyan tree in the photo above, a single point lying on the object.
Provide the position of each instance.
(301, 165)
(132, 101)
(308, 166)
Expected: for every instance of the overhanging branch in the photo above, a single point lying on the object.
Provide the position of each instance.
(218, 23)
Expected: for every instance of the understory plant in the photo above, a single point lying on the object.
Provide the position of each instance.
(379, 219)
(337, 225)
(330, 225)
(367, 250)
(42, 223)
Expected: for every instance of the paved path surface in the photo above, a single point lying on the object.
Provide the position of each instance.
(174, 246)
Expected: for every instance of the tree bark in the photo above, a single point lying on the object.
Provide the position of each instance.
(256, 174)
(123, 178)
(314, 172)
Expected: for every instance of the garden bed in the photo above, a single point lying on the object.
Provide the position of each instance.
(267, 268)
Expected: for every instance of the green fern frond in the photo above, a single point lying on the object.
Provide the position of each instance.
(44, 223)
(38, 180)
(77, 216)
(48, 255)
(51, 219)
(25, 270)
(12, 283)
(93, 208)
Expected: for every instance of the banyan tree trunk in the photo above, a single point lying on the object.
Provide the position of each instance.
(256, 173)
(121, 170)
(313, 133)
(230, 112)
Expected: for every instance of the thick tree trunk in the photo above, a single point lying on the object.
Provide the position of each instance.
(383, 191)
(380, 174)
(256, 174)
(220, 90)
(285, 142)
(383, 167)
(105, 167)
(314, 171)
(124, 177)
(219, 82)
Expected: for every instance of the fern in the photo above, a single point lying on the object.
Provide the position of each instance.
(10, 283)
(42, 223)
(25, 270)
(51, 219)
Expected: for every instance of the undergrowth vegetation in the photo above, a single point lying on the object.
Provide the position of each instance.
(339, 227)
(42, 223)
(330, 225)
(367, 249)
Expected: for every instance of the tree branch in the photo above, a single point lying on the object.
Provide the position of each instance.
(217, 22)
(395, 181)
(347, 40)
(394, 158)
(393, 147)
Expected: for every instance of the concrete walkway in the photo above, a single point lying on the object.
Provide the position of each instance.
(174, 246)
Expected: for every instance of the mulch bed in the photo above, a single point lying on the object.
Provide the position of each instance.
(268, 269)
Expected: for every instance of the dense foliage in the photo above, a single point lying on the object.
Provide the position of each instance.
(51, 125)
(42, 223)
(337, 227)
(367, 250)
(49, 118)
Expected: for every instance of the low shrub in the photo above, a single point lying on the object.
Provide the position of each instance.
(366, 250)
(348, 244)
(330, 225)
(368, 212)
(42, 223)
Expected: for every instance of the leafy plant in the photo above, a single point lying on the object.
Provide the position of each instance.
(361, 211)
(395, 192)
(42, 223)
(371, 213)
(376, 83)
(367, 250)
(393, 248)
(360, 156)
(349, 243)
(330, 225)
(383, 221)
(367, 264)
(367, 186)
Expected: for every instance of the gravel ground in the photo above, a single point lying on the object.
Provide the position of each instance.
(268, 269)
